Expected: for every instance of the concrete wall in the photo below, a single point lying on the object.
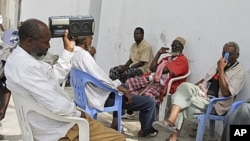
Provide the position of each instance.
(206, 25)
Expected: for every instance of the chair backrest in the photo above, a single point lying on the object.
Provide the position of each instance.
(23, 106)
(78, 81)
(166, 100)
(177, 78)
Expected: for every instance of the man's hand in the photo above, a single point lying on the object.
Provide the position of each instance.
(127, 93)
(221, 64)
(122, 68)
(92, 51)
(129, 98)
(69, 44)
(163, 50)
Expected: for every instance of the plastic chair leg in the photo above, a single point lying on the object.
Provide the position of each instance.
(202, 120)
(212, 128)
(162, 109)
(119, 120)
(179, 132)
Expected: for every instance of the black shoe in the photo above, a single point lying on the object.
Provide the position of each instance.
(147, 135)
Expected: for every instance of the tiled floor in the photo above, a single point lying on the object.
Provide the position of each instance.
(11, 131)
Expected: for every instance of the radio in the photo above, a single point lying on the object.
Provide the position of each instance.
(77, 25)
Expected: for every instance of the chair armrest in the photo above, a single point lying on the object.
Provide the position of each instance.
(236, 104)
(24, 105)
(94, 81)
(212, 102)
(177, 78)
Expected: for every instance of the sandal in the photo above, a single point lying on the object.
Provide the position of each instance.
(147, 135)
(160, 125)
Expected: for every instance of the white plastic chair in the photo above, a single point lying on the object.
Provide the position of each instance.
(163, 104)
(23, 106)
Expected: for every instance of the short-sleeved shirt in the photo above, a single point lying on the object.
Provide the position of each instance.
(235, 78)
(142, 52)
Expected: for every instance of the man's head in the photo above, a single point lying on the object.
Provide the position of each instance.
(34, 36)
(177, 45)
(234, 51)
(138, 34)
(84, 42)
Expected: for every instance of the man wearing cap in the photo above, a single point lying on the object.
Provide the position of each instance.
(172, 65)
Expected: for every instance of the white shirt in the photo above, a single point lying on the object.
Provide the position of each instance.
(39, 81)
(96, 97)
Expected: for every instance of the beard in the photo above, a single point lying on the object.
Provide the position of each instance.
(175, 53)
(36, 53)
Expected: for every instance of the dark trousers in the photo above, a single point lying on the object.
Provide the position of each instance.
(144, 104)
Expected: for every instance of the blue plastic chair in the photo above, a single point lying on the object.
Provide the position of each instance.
(78, 80)
(203, 118)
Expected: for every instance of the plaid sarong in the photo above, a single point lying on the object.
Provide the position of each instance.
(131, 72)
(137, 85)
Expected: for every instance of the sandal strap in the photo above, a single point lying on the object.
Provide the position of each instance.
(170, 123)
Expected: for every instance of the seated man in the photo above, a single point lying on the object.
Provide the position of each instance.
(87, 45)
(10, 40)
(84, 61)
(28, 75)
(172, 65)
(189, 100)
(140, 57)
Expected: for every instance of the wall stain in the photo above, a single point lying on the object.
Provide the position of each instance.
(163, 38)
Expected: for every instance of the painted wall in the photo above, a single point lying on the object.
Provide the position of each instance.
(206, 25)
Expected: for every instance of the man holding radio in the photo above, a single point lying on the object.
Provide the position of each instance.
(226, 79)
(28, 75)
